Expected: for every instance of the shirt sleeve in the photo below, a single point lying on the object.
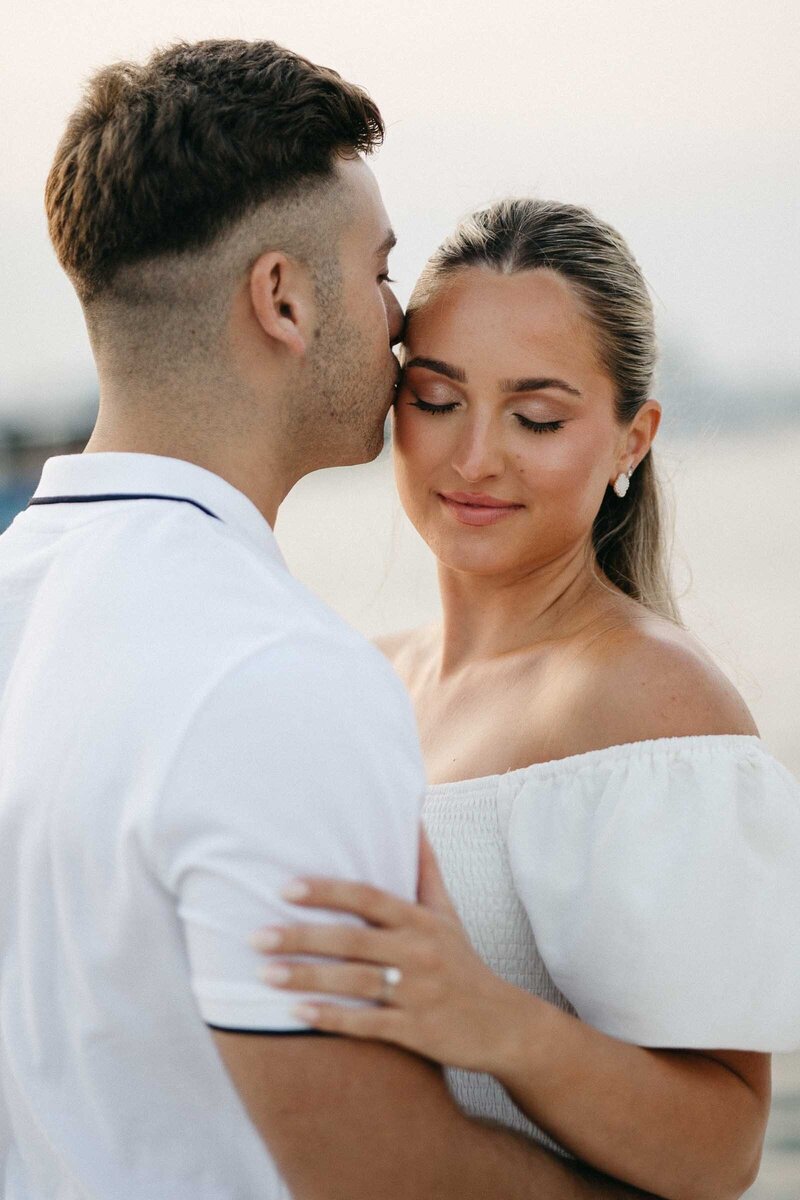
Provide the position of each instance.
(662, 882)
(303, 760)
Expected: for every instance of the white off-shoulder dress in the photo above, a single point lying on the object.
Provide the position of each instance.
(652, 888)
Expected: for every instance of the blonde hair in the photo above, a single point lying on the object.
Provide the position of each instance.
(526, 234)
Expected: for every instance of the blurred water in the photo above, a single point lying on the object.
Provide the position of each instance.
(779, 1178)
(737, 567)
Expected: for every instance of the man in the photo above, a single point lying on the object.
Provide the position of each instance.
(183, 727)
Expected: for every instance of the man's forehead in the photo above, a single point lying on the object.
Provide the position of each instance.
(365, 203)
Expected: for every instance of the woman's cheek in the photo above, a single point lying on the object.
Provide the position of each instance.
(550, 465)
(418, 444)
(579, 486)
(401, 434)
(409, 467)
(561, 475)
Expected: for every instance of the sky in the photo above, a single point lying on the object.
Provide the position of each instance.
(675, 120)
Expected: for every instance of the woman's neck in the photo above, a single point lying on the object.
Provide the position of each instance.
(487, 617)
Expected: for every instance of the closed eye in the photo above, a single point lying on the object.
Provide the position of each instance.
(525, 422)
(539, 426)
(432, 408)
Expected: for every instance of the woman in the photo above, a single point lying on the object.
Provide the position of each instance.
(621, 850)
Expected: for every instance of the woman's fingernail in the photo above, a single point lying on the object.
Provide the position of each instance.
(295, 890)
(306, 1012)
(274, 973)
(265, 939)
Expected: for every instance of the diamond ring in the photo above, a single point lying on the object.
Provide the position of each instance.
(391, 977)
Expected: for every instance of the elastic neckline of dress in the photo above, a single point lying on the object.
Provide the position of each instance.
(702, 741)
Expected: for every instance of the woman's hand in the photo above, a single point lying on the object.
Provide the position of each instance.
(448, 1005)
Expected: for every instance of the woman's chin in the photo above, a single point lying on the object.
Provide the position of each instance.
(474, 555)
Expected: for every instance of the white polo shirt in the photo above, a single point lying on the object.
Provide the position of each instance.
(183, 728)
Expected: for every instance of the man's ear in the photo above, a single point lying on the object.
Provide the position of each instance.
(281, 294)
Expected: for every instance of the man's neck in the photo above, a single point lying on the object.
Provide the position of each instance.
(250, 469)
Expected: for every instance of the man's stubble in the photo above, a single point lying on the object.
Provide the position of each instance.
(339, 418)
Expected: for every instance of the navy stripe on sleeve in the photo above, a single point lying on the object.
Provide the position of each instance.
(277, 1032)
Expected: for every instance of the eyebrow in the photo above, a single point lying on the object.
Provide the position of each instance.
(537, 384)
(534, 384)
(388, 243)
(441, 368)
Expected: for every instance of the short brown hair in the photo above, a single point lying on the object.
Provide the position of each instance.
(163, 157)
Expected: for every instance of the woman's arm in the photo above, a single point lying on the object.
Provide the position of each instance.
(681, 1125)
(684, 1124)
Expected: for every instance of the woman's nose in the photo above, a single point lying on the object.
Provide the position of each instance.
(478, 454)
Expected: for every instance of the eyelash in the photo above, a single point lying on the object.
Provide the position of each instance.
(386, 279)
(525, 422)
(539, 426)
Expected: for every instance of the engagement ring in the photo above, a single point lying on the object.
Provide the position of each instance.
(391, 978)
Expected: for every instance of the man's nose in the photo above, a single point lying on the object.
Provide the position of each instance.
(395, 317)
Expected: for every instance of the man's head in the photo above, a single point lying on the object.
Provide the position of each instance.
(227, 242)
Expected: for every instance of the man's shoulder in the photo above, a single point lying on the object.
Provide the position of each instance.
(188, 571)
(317, 654)
(241, 612)
(187, 602)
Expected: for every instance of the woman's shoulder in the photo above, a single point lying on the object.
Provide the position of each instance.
(642, 860)
(648, 679)
(407, 649)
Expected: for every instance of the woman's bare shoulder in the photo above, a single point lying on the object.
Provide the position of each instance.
(405, 649)
(391, 644)
(650, 679)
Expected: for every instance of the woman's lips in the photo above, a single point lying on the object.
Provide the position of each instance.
(477, 509)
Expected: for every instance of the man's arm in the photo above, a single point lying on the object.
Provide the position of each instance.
(353, 1120)
(303, 760)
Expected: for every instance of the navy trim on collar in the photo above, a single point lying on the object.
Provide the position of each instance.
(120, 496)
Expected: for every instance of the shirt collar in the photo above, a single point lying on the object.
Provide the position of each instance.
(114, 471)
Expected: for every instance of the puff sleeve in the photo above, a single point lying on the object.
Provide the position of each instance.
(662, 882)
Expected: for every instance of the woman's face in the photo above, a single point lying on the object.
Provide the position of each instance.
(506, 436)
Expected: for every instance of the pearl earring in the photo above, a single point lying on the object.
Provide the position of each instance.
(622, 483)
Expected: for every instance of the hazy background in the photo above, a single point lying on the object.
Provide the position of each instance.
(677, 121)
